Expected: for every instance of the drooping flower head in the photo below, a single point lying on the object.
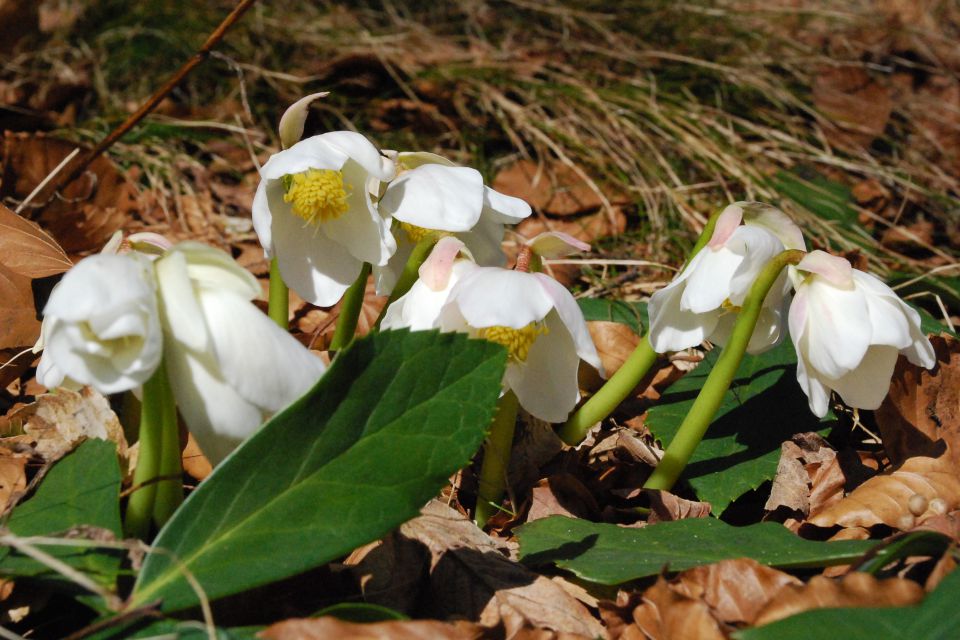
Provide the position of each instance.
(432, 195)
(702, 301)
(848, 328)
(314, 213)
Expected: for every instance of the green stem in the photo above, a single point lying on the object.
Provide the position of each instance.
(705, 407)
(705, 235)
(169, 490)
(141, 501)
(411, 271)
(350, 311)
(611, 394)
(496, 458)
(278, 305)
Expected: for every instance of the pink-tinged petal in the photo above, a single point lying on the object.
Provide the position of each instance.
(312, 153)
(572, 317)
(866, 386)
(776, 221)
(293, 119)
(361, 151)
(503, 208)
(262, 362)
(180, 310)
(556, 244)
(708, 285)
(433, 196)
(317, 268)
(420, 308)
(546, 384)
(361, 230)
(757, 247)
(435, 270)
(671, 327)
(833, 269)
(490, 296)
(149, 243)
(727, 222)
(837, 328)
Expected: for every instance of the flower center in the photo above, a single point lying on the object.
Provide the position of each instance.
(317, 195)
(416, 234)
(729, 307)
(517, 341)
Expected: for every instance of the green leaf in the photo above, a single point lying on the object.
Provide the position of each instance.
(763, 407)
(936, 618)
(358, 455)
(360, 612)
(610, 555)
(82, 488)
(631, 314)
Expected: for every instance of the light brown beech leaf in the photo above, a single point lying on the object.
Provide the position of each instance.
(666, 506)
(885, 499)
(855, 589)
(13, 477)
(669, 614)
(809, 476)
(328, 627)
(27, 249)
(615, 342)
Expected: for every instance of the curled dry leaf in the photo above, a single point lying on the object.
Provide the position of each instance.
(853, 590)
(60, 421)
(27, 249)
(857, 104)
(13, 477)
(562, 494)
(587, 227)
(551, 187)
(809, 477)
(615, 342)
(665, 506)
(923, 406)
(329, 627)
(669, 614)
(885, 499)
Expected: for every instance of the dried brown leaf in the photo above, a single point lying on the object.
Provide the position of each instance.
(665, 506)
(552, 187)
(923, 406)
(564, 495)
(885, 499)
(669, 614)
(27, 249)
(328, 627)
(615, 342)
(587, 227)
(809, 476)
(855, 589)
(856, 103)
(13, 477)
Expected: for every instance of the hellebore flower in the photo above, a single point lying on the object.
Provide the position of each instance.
(538, 322)
(230, 367)
(314, 213)
(848, 328)
(433, 195)
(702, 301)
(101, 327)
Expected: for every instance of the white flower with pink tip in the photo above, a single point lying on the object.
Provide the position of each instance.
(848, 328)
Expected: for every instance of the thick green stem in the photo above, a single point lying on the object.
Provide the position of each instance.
(611, 394)
(350, 311)
(170, 489)
(140, 505)
(496, 459)
(705, 407)
(411, 271)
(278, 306)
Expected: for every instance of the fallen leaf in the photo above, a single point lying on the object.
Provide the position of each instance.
(27, 249)
(855, 589)
(551, 187)
(923, 407)
(615, 342)
(59, 421)
(328, 627)
(194, 462)
(809, 477)
(885, 499)
(18, 19)
(665, 506)
(13, 478)
(669, 614)
(587, 227)
(562, 494)
(854, 101)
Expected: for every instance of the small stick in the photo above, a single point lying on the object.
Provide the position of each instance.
(46, 181)
(212, 40)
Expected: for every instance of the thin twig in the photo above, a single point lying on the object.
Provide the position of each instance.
(212, 40)
(46, 181)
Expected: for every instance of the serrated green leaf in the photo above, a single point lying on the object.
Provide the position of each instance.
(82, 488)
(610, 555)
(740, 451)
(632, 314)
(358, 455)
(936, 618)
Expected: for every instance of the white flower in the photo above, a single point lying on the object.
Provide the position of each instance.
(229, 365)
(313, 212)
(432, 194)
(848, 328)
(101, 327)
(702, 301)
(539, 323)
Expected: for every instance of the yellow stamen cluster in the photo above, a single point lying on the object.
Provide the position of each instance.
(729, 307)
(416, 234)
(317, 195)
(517, 341)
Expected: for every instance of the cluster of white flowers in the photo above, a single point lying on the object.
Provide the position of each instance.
(113, 317)
(848, 327)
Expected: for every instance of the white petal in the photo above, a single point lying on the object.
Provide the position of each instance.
(312, 153)
(436, 269)
(572, 317)
(757, 246)
(317, 268)
(837, 328)
(671, 327)
(262, 216)
(503, 208)
(708, 284)
(866, 386)
(818, 394)
(727, 222)
(414, 159)
(385, 276)
(433, 196)
(833, 269)
(262, 362)
(100, 281)
(361, 230)
(546, 384)
(214, 268)
(293, 119)
(776, 221)
(556, 244)
(485, 242)
(361, 151)
(182, 316)
(490, 296)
